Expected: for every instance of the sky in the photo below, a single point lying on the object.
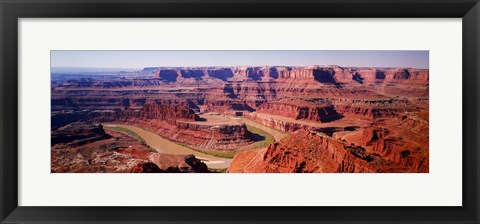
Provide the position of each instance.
(142, 59)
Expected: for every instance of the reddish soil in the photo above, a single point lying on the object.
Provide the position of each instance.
(248, 162)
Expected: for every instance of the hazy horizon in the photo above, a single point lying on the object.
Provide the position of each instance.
(129, 60)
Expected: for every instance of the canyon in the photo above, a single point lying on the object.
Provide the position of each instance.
(106, 150)
(253, 119)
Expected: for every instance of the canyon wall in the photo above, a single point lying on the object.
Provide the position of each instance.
(240, 88)
(330, 75)
(400, 148)
(301, 110)
(82, 147)
(307, 152)
(180, 124)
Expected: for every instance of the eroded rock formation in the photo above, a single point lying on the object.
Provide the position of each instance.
(98, 150)
(339, 119)
(307, 152)
(301, 110)
(180, 124)
(78, 133)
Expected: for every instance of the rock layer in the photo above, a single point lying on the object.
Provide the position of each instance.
(111, 151)
(180, 124)
(306, 152)
(372, 119)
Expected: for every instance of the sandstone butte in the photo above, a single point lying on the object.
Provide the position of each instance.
(335, 119)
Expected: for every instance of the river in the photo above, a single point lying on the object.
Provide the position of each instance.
(164, 145)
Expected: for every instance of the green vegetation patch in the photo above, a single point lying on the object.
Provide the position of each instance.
(126, 131)
(267, 140)
(213, 170)
(222, 154)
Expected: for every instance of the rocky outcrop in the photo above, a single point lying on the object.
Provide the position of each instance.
(301, 110)
(146, 167)
(250, 73)
(78, 133)
(61, 118)
(163, 112)
(289, 124)
(167, 163)
(180, 124)
(374, 134)
(117, 153)
(275, 123)
(410, 75)
(419, 76)
(371, 108)
(306, 152)
(104, 99)
(167, 75)
(225, 105)
(179, 74)
(252, 93)
(114, 152)
(396, 149)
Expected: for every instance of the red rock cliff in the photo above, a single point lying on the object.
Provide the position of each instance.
(178, 123)
(301, 110)
(163, 112)
(305, 151)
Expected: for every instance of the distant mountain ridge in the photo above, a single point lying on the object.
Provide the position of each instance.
(73, 70)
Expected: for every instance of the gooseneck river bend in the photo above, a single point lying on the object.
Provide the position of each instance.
(164, 145)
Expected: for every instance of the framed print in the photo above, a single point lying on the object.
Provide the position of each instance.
(245, 112)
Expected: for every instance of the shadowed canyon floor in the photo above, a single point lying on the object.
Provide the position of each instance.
(242, 119)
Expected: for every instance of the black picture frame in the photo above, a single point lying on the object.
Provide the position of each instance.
(12, 10)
